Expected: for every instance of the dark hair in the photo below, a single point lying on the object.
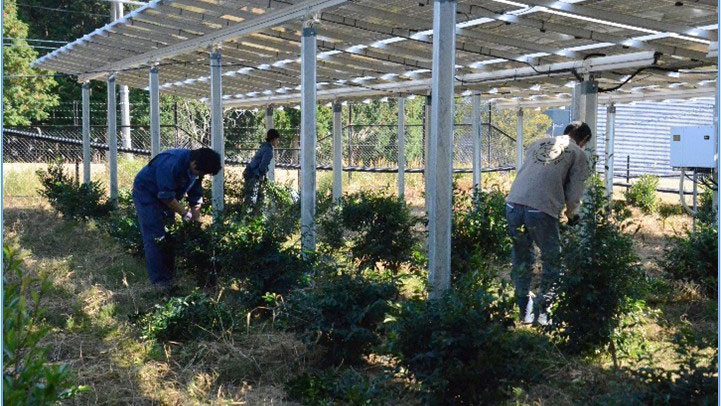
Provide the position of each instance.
(272, 134)
(578, 131)
(206, 160)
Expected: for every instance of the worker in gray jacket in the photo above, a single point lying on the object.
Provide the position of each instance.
(256, 171)
(551, 177)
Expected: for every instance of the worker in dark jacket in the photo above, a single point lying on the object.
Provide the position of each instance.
(157, 191)
(254, 174)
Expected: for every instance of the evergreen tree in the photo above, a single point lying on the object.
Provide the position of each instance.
(27, 94)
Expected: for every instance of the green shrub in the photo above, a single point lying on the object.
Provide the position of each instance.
(480, 231)
(693, 257)
(123, 226)
(28, 376)
(642, 194)
(600, 279)
(74, 201)
(706, 213)
(378, 226)
(461, 347)
(250, 251)
(330, 387)
(342, 312)
(186, 318)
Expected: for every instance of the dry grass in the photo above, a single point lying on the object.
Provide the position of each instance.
(96, 287)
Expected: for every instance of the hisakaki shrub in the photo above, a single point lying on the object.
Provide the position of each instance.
(29, 378)
(342, 311)
(71, 199)
(379, 227)
(462, 347)
(480, 231)
(331, 387)
(692, 257)
(642, 194)
(185, 318)
(600, 279)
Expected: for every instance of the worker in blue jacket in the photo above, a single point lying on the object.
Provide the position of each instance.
(157, 191)
(256, 171)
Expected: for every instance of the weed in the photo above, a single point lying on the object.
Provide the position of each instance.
(642, 194)
(186, 318)
(28, 376)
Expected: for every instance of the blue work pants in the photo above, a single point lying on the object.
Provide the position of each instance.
(528, 226)
(158, 247)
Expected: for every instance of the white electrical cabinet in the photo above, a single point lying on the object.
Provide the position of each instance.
(693, 147)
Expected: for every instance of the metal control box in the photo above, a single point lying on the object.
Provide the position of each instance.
(693, 147)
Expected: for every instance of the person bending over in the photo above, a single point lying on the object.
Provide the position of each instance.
(552, 175)
(157, 191)
(255, 173)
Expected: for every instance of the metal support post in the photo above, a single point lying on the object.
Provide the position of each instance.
(118, 12)
(441, 147)
(476, 134)
(519, 139)
(610, 135)
(584, 107)
(217, 140)
(308, 137)
(401, 147)
(154, 112)
(112, 140)
(337, 152)
(269, 125)
(86, 132)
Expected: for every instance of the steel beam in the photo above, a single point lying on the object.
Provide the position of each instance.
(267, 20)
(308, 138)
(217, 140)
(441, 147)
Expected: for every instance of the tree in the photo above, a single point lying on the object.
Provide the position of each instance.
(27, 93)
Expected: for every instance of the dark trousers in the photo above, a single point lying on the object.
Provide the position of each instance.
(253, 195)
(528, 226)
(158, 247)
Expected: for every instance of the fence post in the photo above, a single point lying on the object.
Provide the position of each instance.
(350, 138)
(86, 132)
(519, 139)
(113, 139)
(268, 125)
(175, 125)
(628, 171)
(154, 112)
(401, 147)
(490, 131)
(77, 171)
(337, 153)
(476, 132)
